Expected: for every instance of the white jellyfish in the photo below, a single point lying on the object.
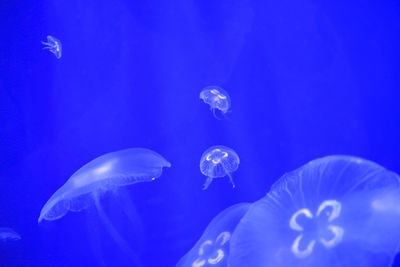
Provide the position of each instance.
(216, 98)
(218, 161)
(53, 45)
(105, 173)
(334, 211)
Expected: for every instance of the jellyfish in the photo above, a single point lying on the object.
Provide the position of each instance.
(54, 46)
(8, 234)
(212, 249)
(105, 173)
(217, 98)
(334, 211)
(218, 161)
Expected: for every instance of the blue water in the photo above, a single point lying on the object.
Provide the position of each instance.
(306, 79)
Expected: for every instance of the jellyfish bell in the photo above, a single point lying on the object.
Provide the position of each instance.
(212, 249)
(217, 98)
(333, 211)
(218, 161)
(103, 174)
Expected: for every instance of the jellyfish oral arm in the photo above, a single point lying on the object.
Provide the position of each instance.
(231, 179)
(122, 243)
(47, 45)
(207, 183)
(215, 114)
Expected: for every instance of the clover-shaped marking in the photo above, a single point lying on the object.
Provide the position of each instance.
(330, 209)
(216, 156)
(212, 252)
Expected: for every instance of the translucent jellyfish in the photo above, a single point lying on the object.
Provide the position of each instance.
(218, 161)
(54, 46)
(334, 211)
(217, 98)
(212, 249)
(105, 173)
(8, 234)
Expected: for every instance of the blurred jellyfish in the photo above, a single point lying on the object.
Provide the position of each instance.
(334, 211)
(218, 161)
(212, 249)
(217, 98)
(105, 173)
(8, 234)
(54, 46)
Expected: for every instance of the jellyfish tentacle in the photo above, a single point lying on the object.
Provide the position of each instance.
(94, 241)
(123, 244)
(128, 207)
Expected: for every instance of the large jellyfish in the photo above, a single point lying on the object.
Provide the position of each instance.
(53, 45)
(8, 234)
(105, 173)
(217, 98)
(334, 211)
(212, 249)
(218, 161)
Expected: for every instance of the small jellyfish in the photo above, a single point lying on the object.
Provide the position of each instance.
(54, 46)
(8, 234)
(334, 211)
(217, 98)
(105, 173)
(218, 161)
(212, 249)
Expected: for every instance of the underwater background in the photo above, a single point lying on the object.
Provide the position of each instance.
(306, 79)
